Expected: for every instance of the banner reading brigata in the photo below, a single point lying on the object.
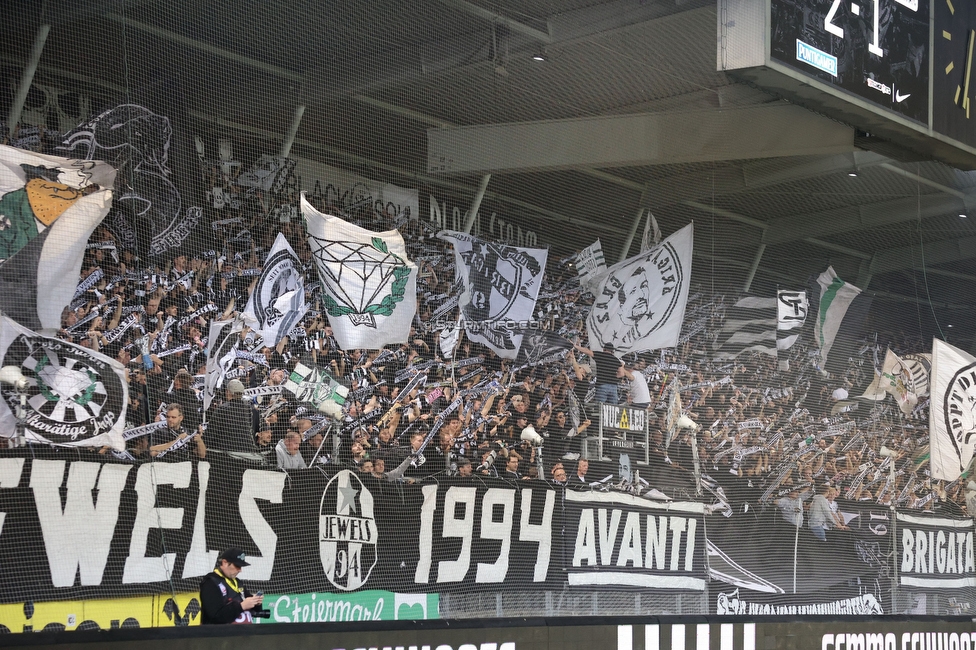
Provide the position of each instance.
(936, 552)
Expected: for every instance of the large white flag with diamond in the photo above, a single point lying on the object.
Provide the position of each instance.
(501, 284)
(75, 397)
(369, 286)
(640, 302)
(278, 300)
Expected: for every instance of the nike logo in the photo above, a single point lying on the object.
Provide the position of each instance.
(900, 98)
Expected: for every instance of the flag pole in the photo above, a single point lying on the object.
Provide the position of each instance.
(796, 541)
(479, 195)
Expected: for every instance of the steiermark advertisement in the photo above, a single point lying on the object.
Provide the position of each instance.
(370, 605)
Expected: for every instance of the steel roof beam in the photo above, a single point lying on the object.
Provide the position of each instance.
(918, 257)
(860, 217)
(765, 131)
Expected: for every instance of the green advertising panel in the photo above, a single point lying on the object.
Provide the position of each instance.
(371, 605)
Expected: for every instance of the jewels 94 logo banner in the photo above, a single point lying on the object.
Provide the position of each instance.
(347, 532)
(74, 396)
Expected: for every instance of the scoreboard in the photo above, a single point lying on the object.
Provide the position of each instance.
(901, 70)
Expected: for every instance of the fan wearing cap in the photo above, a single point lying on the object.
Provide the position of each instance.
(233, 423)
(222, 596)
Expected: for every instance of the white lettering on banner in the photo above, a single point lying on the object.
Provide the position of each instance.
(349, 192)
(890, 641)
(497, 228)
(10, 471)
(92, 526)
(678, 556)
(463, 528)
(496, 530)
(728, 637)
(348, 535)
(937, 553)
(542, 533)
(455, 570)
(731, 604)
(648, 550)
(138, 567)
(426, 541)
(267, 486)
(620, 417)
(200, 561)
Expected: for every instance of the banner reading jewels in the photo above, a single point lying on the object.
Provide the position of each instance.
(96, 529)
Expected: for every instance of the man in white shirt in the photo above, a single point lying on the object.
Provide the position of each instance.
(791, 506)
(640, 394)
(822, 517)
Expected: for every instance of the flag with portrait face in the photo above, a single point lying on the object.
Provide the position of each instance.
(640, 302)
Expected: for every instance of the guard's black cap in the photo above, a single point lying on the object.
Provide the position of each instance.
(235, 556)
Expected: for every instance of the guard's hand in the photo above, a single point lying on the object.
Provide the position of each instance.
(251, 602)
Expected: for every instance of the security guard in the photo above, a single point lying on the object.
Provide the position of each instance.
(223, 598)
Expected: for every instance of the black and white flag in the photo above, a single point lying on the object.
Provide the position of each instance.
(49, 207)
(640, 302)
(590, 263)
(540, 347)
(449, 338)
(750, 326)
(277, 303)
(652, 233)
(75, 397)
(221, 353)
(952, 419)
(501, 284)
(791, 314)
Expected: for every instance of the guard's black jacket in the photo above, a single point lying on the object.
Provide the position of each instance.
(220, 598)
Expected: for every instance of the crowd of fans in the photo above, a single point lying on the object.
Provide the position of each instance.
(765, 435)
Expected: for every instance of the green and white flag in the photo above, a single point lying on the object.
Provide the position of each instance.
(842, 310)
(369, 286)
(315, 385)
(49, 207)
